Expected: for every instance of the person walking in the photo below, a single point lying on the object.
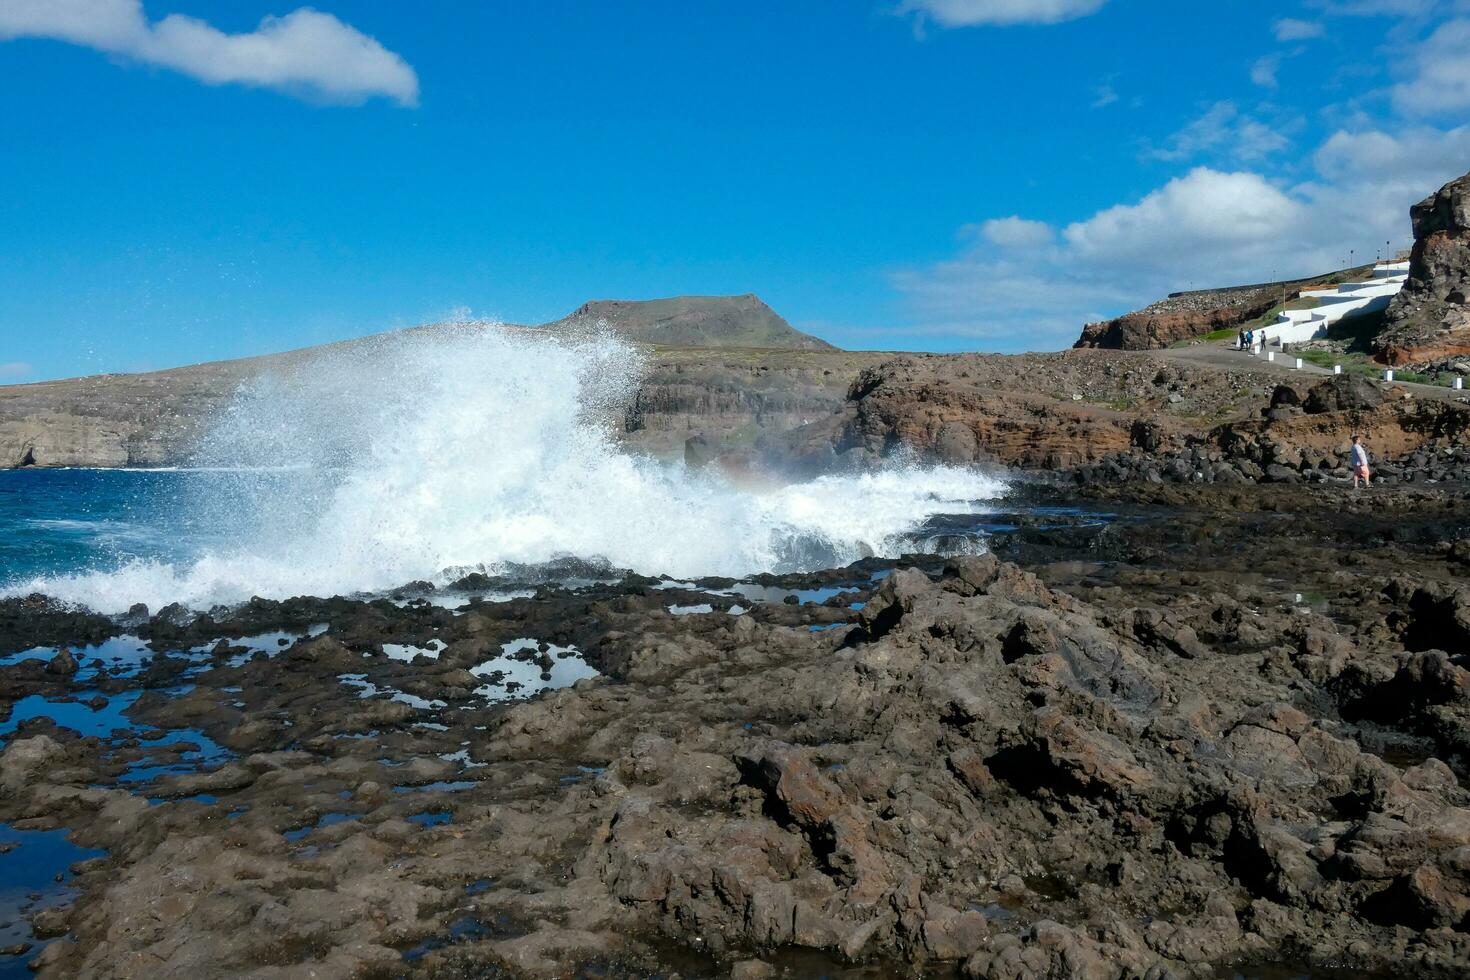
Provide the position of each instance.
(1360, 463)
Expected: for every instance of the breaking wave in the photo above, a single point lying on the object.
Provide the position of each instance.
(418, 454)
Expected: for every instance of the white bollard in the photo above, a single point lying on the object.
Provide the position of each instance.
(1337, 369)
(1298, 363)
(1270, 355)
(1459, 384)
(1388, 374)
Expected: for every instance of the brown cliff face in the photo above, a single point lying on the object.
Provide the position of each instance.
(1390, 423)
(731, 398)
(1184, 316)
(1157, 328)
(1430, 319)
(152, 419)
(742, 370)
(1030, 411)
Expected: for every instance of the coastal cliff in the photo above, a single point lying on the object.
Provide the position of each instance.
(728, 368)
(1428, 323)
(1189, 315)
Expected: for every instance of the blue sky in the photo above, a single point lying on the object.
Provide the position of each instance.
(188, 180)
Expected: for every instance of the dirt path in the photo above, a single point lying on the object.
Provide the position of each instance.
(1227, 357)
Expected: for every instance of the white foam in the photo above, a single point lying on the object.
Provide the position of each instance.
(470, 445)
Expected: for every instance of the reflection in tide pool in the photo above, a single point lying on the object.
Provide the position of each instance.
(34, 875)
(518, 678)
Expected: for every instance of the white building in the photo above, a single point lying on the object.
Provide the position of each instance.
(1349, 299)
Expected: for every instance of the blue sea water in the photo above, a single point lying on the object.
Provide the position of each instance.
(424, 455)
(68, 522)
(55, 522)
(33, 875)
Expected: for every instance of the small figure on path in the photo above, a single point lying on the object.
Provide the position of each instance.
(1250, 341)
(1360, 463)
(1242, 343)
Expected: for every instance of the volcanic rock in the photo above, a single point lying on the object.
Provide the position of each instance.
(1186, 315)
(1343, 393)
(692, 321)
(1429, 320)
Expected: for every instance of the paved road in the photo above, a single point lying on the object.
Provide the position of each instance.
(1228, 358)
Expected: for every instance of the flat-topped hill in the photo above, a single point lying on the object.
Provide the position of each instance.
(694, 321)
(724, 366)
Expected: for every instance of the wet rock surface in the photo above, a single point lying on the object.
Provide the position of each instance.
(1217, 727)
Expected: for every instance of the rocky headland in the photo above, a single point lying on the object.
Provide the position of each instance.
(1199, 709)
(1428, 322)
(1089, 416)
(1221, 732)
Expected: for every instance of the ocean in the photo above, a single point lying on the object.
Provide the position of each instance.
(424, 457)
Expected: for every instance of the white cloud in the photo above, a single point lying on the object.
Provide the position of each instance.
(1207, 228)
(974, 13)
(1416, 156)
(15, 369)
(1263, 71)
(1204, 210)
(1368, 179)
(1104, 95)
(1017, 232)
(306, 52)
(1009, 304)
(1226, 131)
(1291, 29)
(1378, 8)
(1441, 81)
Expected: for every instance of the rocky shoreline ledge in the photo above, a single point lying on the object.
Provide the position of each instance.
(1228, 726)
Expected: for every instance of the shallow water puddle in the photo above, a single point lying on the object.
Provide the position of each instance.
(777, 595)
(325, 820)
(93, 714)
(121, 656)
(100, 721)
(207, 754)
(268, 644)
(404, 653)
(453, 600)
(432, 818)
(572, 779)
(442, 786)
(30, 863)
(520, 678)
(368, 689)
(468, 929)
(463, 758)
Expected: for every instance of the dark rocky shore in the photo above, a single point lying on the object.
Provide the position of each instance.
(1225, 728)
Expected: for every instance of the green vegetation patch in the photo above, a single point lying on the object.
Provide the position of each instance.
(1369, 368)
